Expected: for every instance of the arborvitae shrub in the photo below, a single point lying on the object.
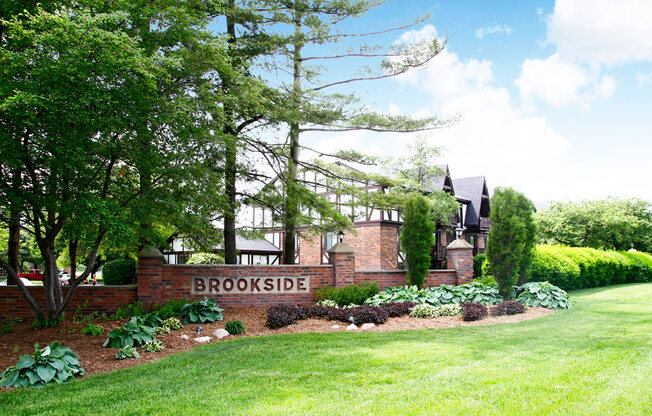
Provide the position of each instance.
(119, 272)
(417, 238)
(478, 260)
(473, 311)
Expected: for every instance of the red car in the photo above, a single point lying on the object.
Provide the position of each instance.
(34, 274)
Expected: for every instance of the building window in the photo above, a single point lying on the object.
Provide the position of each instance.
(471, 240)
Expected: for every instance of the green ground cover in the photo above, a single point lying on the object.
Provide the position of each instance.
(593, 359)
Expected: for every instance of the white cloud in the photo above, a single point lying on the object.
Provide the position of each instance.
(559, 82)
(493, 29)
(602, 31)
(643, 79)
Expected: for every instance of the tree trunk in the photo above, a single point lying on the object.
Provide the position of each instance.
(291, 198)
(230, 249)
(13, 245)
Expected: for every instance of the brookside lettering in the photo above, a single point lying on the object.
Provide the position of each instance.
(203, 285)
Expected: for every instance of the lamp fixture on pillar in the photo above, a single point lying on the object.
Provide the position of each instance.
(458, 231)
(340, 236)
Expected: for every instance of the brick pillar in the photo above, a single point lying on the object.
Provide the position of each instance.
(459, 256)
(150, 276)
(342, 257)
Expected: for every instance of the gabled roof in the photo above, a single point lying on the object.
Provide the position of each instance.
(473, 189)
(442, 183)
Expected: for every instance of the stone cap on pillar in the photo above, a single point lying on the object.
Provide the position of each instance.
(341, 248)
(150, 251)
(459, 244)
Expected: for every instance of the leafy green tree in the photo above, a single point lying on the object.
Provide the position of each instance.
(417, 237)
(610, 224)
(511, 238)
(85, 99)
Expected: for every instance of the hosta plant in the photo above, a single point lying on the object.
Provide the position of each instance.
(162, 330)
(134, 332)
(154, 345)
(429, 311)
(424, 310)
(542, 294)
(127, 352)
(201, 311)
(172, 323)
(52, 364)
(443, 295)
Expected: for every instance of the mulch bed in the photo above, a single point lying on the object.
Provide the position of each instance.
(96, 359)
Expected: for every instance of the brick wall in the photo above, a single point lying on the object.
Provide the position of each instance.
(99, 299)
(389, 278)
(176, 281)
(310, 250)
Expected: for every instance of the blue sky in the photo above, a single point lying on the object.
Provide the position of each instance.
(555, 96)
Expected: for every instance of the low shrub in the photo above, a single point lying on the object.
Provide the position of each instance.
(7, 326)
(349, 295)
(449, 310)
(360, 315)
(149, 319)
(172, 323)
(170, 309)
(327, 302)
(508, 307)
(487, 280)
(119, 272)
(395, 309)
(399, 294)
(92, 329)
(542, 294)
(127, 351)
(52, 364)
(154, 345)
(317, 311)
(282, 315)
(478, 260)
(472, 311)
(235, 327)
(128, 311)
(134, 332)
(201, 311)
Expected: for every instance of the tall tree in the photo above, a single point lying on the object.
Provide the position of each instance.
(511, 238)
(310, 26)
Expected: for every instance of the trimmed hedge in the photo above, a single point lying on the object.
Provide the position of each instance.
(577, 268)
(119, 272)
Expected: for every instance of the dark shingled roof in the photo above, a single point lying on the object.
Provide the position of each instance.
(258, 245)
(471, 189)
(437, 184)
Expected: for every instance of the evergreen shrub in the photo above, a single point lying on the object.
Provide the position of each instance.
(119, 272)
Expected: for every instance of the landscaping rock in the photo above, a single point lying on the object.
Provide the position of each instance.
(352, 327)
(203, 340)
(364, 327)
(184, 336)
(220, 333)
(335, 327)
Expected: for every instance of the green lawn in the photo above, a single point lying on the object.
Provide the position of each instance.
(595, 359)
